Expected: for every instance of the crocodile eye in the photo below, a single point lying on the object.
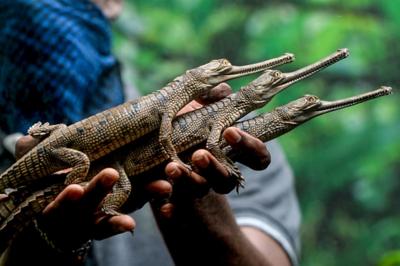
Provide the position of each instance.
(277, 74)
(311, 98)
(225, 62)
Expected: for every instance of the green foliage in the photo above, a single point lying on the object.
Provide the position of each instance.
(346, 163)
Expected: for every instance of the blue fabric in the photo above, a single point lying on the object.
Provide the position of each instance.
(55, 63)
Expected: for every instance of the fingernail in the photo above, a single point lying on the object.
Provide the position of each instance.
(173, 172)
(233, 137)
(225, 90)
(108, 182)
(200, 160)
(122, 229)
(166, 210)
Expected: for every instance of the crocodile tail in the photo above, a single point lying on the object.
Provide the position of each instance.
(10, 202)
(21, 216)
(30, 167)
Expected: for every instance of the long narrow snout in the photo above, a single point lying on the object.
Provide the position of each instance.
(239, 71)
(302, 73)
(329, 106)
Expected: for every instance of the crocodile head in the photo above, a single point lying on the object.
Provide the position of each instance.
(293, 112)
(309, 106)
(272, 82)
(262, 85)
(222, 70)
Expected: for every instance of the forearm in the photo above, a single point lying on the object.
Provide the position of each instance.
(204, 231)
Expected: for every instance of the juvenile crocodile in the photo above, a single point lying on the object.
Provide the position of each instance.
(16, 215)
(132, 160)
(255, 96)
(196, 126)
(77, 145)
(193, 127)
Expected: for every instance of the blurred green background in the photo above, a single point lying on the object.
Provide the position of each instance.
(346, 163)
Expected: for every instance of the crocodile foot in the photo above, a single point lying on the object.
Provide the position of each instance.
(42, 130)
(110, 211)
(187, 167)
(235, 174)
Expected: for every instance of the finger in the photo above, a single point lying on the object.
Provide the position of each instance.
(64, 213)
(215, 173)
(114, 225)
(166, 210)
(149, 191)
(98, 188)
(161, 192)
(88, 197)
(253, 151)
(215, 94)
(24, 144)
(193, 105)
(178, 174)
(70, 195)
(186, 183)
(208, 164)
(3, 196)
(159, 189)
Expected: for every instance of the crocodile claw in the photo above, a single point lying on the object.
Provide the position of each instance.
(188, 168)
(110, 211)
(39, 130)
(235, 174)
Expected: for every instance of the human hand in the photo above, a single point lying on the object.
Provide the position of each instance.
(73, 217)
(185, 189)
(208, 172)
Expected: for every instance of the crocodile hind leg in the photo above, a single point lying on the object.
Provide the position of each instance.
(79, 162)
(213, 145)
(120, 193)
(165, 139)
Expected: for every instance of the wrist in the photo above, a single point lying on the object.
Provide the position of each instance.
(36, 251)
(78, 251)
(210, 211)
(205, 224)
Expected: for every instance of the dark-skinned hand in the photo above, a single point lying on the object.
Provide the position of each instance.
(74, 215)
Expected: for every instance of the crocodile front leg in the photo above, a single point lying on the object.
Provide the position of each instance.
(79, 162)
(213, 145)
(165, 139)
(40, 131)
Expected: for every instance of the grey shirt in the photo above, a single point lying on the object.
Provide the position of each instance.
(268, 202)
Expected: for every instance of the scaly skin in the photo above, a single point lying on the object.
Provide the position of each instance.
(92, 138)
(256, 94)
(265, 127)
(22, 216)
(193, 127)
